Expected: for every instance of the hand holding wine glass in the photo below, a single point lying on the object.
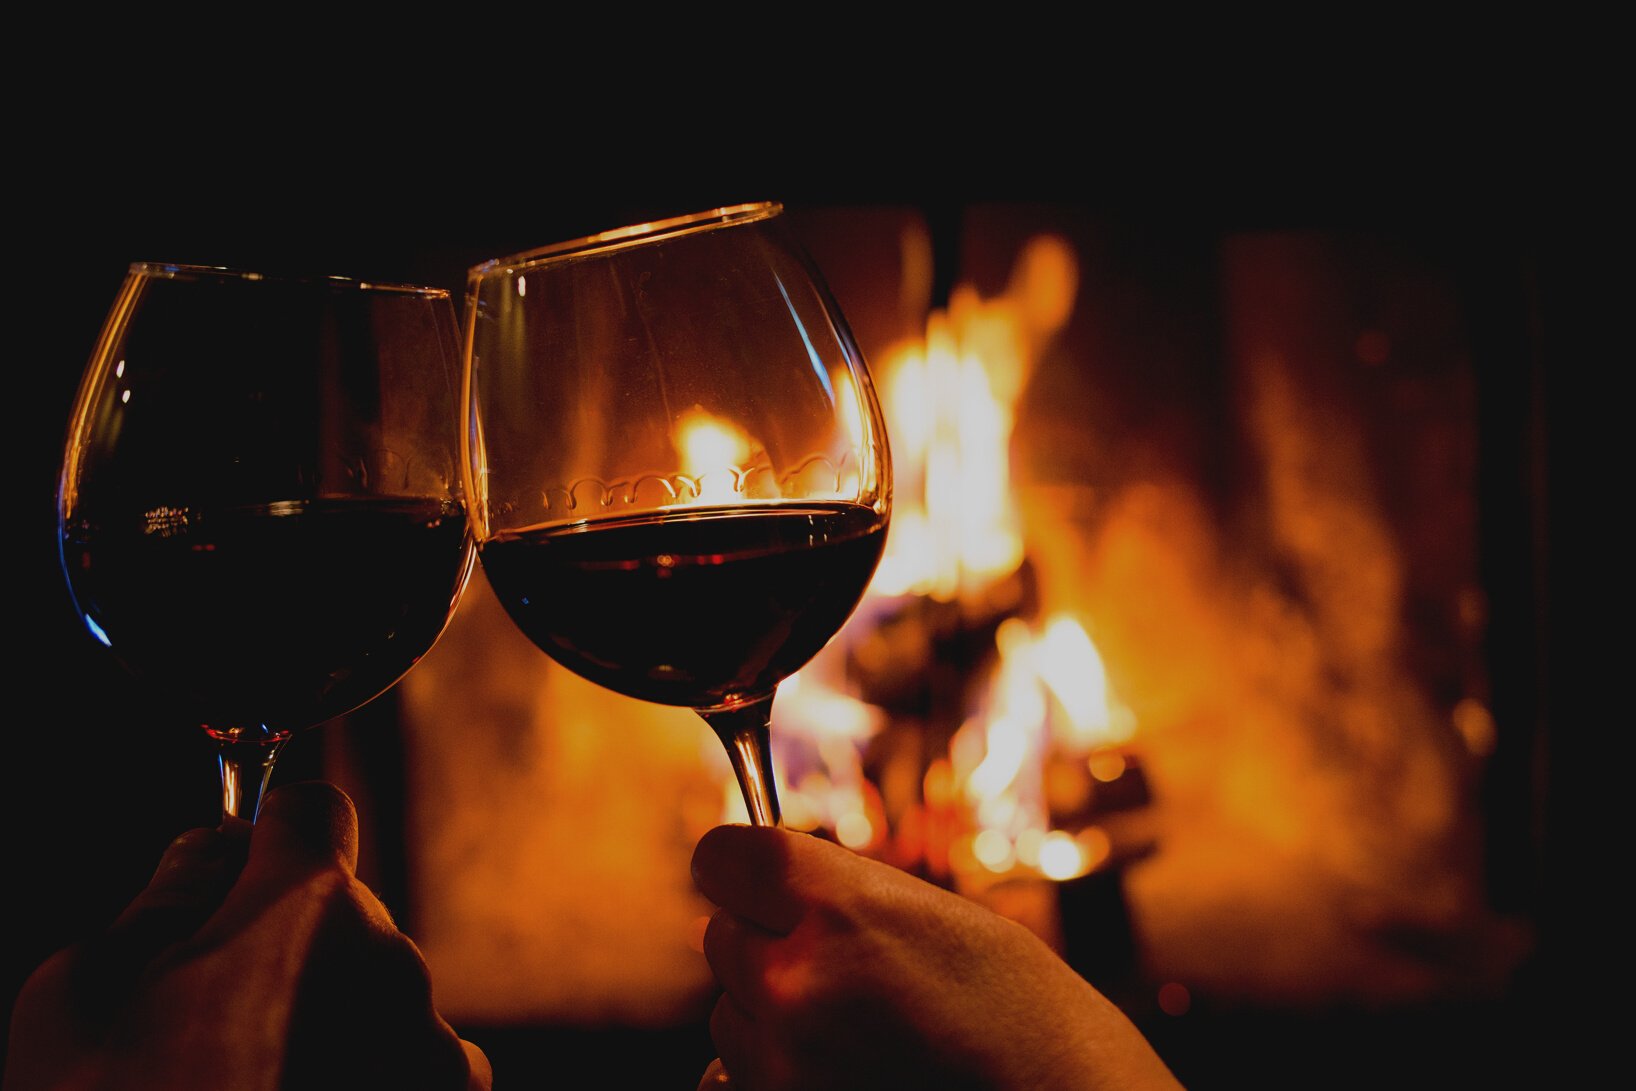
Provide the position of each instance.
(260, 509)
(679, 468)
(247, 962)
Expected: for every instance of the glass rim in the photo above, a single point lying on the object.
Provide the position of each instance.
(631, 235)
(175, 270)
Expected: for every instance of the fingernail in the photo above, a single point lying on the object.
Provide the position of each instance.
(715, 1078)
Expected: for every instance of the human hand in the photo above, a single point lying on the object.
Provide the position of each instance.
(841, 971)
(253, 960)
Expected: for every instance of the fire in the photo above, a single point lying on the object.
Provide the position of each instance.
(954, 525)
(1050, 704)
(950, 400)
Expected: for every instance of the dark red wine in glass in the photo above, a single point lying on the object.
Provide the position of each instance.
(260, 511)
(678, 463)
(730, 601)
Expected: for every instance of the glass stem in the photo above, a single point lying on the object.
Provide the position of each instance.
(744, 731)
(247, 765)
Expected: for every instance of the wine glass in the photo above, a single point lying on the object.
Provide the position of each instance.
(678, 466)
(260, 509)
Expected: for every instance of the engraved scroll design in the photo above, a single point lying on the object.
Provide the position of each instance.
(817, 476)
(385, 471)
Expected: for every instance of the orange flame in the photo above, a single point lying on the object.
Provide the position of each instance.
(950, 402)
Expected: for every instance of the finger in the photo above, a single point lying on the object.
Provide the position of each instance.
(303, 827)
(749, 870)
(303, 830)
(361, 1011)
(715, 1078)
(482, 1073)
(737, 952)
(197, 867)
(192, 879)
(733, 1033)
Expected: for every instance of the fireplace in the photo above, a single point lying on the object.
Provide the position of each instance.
(1206, 647)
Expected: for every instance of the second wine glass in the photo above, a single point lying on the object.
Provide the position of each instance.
(260, 512)
(678, 465)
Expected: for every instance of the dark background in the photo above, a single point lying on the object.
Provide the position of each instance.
(1502, 178)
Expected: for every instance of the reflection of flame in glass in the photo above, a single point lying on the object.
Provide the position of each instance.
(713, 453)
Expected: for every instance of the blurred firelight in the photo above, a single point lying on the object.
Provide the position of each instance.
(1060, 857)
(1476, 726)
(1106, 765)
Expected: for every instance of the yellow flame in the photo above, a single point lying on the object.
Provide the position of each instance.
(950, 403)
(1001, 756)
(805, 704)
(1072, 667)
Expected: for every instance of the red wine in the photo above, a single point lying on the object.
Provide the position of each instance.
(283, 615)
(699, 608)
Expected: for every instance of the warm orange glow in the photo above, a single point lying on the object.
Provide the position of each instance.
(938, 786)
(1294, 797)
(1094, 846)
(1476, 726)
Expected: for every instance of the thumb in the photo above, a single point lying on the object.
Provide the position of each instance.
(769, 875)
(304, 826)
(482, 1073)
(303, 829)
